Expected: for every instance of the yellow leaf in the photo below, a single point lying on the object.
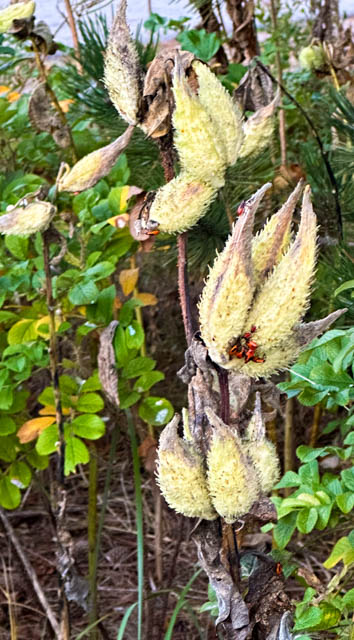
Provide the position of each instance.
(50, 411)
(128, 279)
(13, 96)
(4, 88)
(147, 299)
(124, 197)
(32, 428)
(65, 104)
(119, 222)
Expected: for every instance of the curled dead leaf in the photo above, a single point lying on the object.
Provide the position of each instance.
(31, 429)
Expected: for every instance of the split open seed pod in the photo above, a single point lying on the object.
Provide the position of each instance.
(261, 451)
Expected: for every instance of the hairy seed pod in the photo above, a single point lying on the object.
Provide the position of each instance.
(18, 11)
(312, 58)
(261, 451)
(197, 140)
(223, 111)
(228, 291)
(91, 168)
(179, 204)
(259, 129)
(233, 484)
(181, 475)
(27, 219)
(284, 297)
(122, 74)
(270, 244)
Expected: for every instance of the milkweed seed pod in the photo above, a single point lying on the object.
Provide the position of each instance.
(122, 74)
(270, 244)
(259, 129)
(224, 112)
(18, 11)
(233, 483)
(261, 451)
(179, 204)
(197, 140)
(312, 57)
(181, 475)
(228, 292)
(256, 330)
(27, 219)
(91, 168)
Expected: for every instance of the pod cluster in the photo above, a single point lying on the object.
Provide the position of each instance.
(227, 481)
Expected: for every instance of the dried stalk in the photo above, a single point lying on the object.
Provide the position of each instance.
(72, 25)
(60, 494)
(31, 575)
(282, 131)
(92, 537)
(315, 427)
(324, 153)
(43, 75)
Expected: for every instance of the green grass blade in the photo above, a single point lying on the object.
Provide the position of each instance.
(139, 518)
(179, 605)
(124, 622)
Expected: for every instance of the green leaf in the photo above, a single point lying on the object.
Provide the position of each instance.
(68, 385)
(306, 520)
(17, 246)
(100, 270)
(37, 461)
(138, 366)
(88, 426)
(8, 448)
(90, 403)
(7, 425)
(330, 617)
(134, 335)
(311, 617)
(204, 45)
(91, 384)
(20, 474)
(156, 411)
(309, 473)
(345, 501)
(350, 438)
(23, 331)
(5, 316)
(290, 479)
(120, 347)
(127, 311)
(307, 454)
(342, 550)
(10, 495)
(83, 293)
(284, 529)
(147, 380)
(76, 453)
(348, 478)
(6, 398)
(48, 441)
(348, 599)
(126, 400)
(349, 284)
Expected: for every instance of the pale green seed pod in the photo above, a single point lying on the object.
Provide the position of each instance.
(122, 74)
(233, 484)
(284, 297)
(91, 168)
(312, 57)
(261, 451)
(228, 292)
(27, 219)
(18, 11)
(197, 140)
(270, 244)
(180, 203)
(223, 111)
(181, 475)
(259, 129)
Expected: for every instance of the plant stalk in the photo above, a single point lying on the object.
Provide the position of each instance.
(288, 438)
(282, 130)
(92, 538)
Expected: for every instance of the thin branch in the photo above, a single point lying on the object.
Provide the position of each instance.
(72, 25)
(32, 575)
(324, 154)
